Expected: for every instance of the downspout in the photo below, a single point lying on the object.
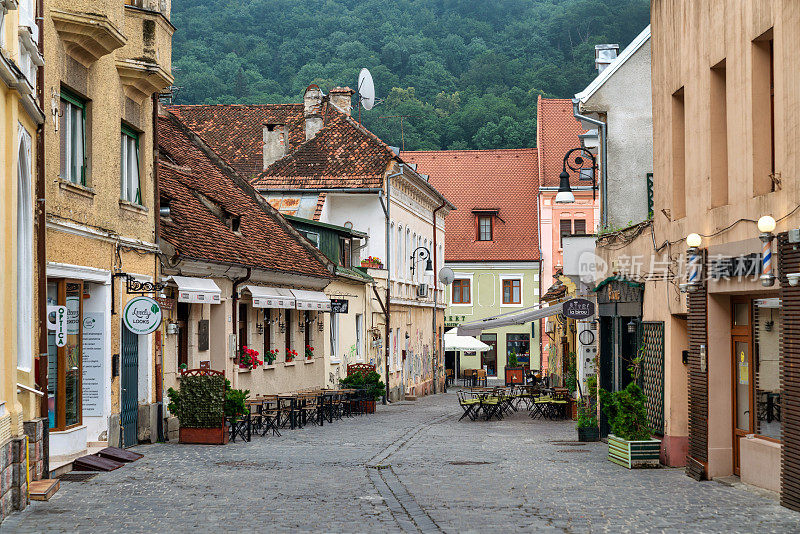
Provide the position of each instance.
(435, 288)
(235, 311)
(386, 208)
(156, 234)
(41, 250)
(604, 148)
(541, 258)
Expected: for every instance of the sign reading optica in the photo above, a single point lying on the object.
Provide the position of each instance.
(142, 315)
(578, 309)
(58, 324)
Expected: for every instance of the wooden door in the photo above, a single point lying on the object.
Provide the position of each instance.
(742, 364)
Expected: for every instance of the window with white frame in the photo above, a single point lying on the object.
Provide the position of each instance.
(129, 164)
(73, 138)
(335, 337)
(399, 252)
(359, 335)
(408, 273)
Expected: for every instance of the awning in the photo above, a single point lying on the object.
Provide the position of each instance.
(311, 300)
(452, 341)
(507, 319)
(202, 290)
(271, 297)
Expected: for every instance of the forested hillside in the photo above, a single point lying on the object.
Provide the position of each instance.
(465, 72)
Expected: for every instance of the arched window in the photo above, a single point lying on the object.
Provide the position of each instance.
(24, 253)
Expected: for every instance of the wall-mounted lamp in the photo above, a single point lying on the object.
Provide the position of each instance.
(584, 164)
(632, 326)
(693, 241)
(301, 322)
(794, 278)
(281, 322)
(766, 225)
(320, 322)
(260, 328)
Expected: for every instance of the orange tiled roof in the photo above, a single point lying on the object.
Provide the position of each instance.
(506, 180)
(188, 175)
(556, 132)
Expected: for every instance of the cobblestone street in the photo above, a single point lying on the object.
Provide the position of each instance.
(410, 467)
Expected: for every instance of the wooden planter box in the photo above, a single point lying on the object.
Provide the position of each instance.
(203, 436)
(633, 454)
(515, 375)
(363, 406)
(371, 265)
(573, 407)
(588, 434)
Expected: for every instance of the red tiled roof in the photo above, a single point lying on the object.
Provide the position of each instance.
(236, 132)
(505, 180)
(342, 154)
(556, 132)
(189, 174)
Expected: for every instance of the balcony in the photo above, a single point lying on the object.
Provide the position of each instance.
(144, 64)
(87, 37)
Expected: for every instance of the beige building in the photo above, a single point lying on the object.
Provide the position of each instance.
(105, 62)
(725, 100)
(20, 117)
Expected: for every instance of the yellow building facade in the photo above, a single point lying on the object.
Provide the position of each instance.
(20, 117)
(104, 63)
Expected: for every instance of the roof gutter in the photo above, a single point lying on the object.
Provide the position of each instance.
(386, 210)
(604, 159)
(435, 362)
(367, 190)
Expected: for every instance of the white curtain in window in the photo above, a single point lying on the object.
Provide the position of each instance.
(129, 170)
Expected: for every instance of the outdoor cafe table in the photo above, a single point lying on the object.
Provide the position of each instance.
(293, 402)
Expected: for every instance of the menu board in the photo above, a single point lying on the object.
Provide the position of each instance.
(93, 362)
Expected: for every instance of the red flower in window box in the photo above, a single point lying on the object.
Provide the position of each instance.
(309, 352)
(290, 355)
(249, 359)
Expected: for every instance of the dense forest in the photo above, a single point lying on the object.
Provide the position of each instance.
(463, 73)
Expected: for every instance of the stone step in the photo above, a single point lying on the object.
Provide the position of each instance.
(42, 490)
(411, 397)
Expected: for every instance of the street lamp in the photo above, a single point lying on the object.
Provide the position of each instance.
(581, 163)
(422, 254)
(693, 241)
(766, 225)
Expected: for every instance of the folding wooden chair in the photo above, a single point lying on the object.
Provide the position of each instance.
(470, 405)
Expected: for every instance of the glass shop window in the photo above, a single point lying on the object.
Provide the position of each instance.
(767, 373)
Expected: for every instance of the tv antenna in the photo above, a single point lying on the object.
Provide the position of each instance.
(402, 134)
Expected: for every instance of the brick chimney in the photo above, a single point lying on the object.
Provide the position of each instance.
(312, 110)
(342, 98)
(274, 143)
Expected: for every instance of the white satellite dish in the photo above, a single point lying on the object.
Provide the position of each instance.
(446, 275)
(366, 90)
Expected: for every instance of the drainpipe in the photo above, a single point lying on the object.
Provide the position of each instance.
(386, 208)
(541, 259)
(604, 148)
(156, 235)
(235, 311)
(41, 250)
(435, 289)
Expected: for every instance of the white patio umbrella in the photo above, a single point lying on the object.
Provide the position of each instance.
(452, 341)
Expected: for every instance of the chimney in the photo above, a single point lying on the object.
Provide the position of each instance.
(274, 143)
(312, 110)
(604, 54)
(342, 98)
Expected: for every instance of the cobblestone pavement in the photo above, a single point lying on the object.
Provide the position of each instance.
(410, 467)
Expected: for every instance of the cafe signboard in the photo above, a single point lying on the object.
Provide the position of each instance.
(578, 309)
(142, 315)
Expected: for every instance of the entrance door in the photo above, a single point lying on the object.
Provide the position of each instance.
(130, 387)
(489, 358)
(741, 345)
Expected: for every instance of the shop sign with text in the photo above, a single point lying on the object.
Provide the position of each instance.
(142, 315)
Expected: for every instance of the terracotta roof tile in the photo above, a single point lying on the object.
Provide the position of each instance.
(188, 175)
(505, 180)
(557, 132)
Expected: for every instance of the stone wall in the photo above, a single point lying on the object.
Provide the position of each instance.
(13, 482)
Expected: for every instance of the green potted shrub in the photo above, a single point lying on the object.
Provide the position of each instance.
(199, 405)
(629, 444)
(588, 429)
(371, 382)
(515, 373)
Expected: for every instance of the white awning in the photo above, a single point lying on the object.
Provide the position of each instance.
(311, 300)
(271, 297)
(452, 341)
(519, 317)
(201, 290)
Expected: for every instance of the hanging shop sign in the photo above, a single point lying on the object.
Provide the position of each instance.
(578, 309)
(339, 305)
(142, 315)
(58, 325)
(93, 368)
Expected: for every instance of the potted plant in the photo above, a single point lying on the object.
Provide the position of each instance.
(571, 383)
(271, 356)
(290, 355)
(199, 405)
(629, 444)
(588, 429)
(372, 263)
(249, 359)
(182, 367)
(371, 382)
(309, 352)
(515, 373)
(235, 401)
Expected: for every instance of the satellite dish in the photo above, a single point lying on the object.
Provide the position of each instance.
(446, 275)
(366, 90)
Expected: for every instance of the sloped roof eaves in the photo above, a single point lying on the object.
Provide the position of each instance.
(338, 229)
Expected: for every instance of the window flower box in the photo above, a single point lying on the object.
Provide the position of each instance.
(634, 454)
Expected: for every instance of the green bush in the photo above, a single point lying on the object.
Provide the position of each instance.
(235, 401)
(587, 408)
(371, 382)
(627, 412)
(512, 361)
(200, 402)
